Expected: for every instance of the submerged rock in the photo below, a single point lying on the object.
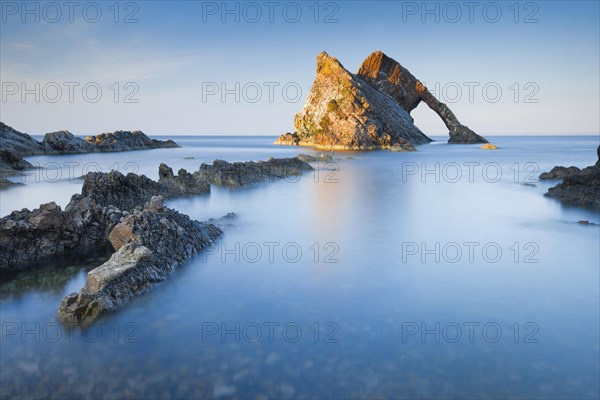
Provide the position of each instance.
(580, 189)
(309, 158)
(233, 175)
(152, 242)
(369, 110)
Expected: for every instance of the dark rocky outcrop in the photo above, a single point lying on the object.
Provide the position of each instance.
(184, 183)
(18, 142)
(11, 163)
(369, 110)
(127, 191)
(560, 173)
(233, 175)
(127, 140)
(388, 76)
(64, 142)
(149, 244)
(48, 234)
(29, 238)
(343, 112)
(579, 189)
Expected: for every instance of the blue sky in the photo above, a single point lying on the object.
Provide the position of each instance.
(503, 67)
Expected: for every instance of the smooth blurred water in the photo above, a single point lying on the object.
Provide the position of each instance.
(369, 256)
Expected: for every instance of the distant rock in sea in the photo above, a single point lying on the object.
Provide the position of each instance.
(64, 142)
(237, 174)
(577, 188)
(369, 110)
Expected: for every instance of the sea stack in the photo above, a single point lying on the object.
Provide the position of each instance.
(369, 110)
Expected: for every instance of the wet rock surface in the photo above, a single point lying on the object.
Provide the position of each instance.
(237, 174)
(150, 243)
(579, 189)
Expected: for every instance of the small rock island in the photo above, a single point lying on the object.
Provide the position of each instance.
(64, 142)
(368, 110)
(580, 187)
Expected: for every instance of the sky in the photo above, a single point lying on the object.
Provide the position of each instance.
(245, 68)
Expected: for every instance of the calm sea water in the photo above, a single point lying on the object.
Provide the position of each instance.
(443, 273)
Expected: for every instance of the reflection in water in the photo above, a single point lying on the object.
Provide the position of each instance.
(51, 280)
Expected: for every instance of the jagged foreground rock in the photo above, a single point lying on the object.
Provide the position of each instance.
(28, 238)
(579, 187)
(64, 142)
(370, 110)
(149, 244)
(391, 78)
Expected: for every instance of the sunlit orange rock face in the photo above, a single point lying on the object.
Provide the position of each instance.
(391, 78)
(369, 110)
